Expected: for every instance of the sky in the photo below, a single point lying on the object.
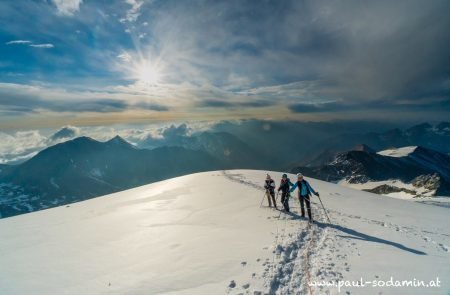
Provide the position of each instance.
(93, 62)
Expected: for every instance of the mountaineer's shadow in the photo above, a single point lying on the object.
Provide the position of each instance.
(292, 214)
(364, 237)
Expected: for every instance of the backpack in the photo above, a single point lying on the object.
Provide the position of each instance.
(299, 185)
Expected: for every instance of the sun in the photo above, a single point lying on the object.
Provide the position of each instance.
(147, 73)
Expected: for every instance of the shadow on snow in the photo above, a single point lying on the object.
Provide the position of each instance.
(353, 234)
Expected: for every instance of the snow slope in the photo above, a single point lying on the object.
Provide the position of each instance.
(206, 234)
(399, 152)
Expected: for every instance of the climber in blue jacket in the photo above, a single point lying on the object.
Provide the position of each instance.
(304, 192)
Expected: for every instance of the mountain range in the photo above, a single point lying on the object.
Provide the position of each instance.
(426, 171)
(223, 146)
(84, 168)
(426, 135)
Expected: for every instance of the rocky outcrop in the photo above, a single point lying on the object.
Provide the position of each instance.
(431, 182)
(388, 189)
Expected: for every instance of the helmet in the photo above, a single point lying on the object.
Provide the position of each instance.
(284, 175)
(268, 176)
(299, 175)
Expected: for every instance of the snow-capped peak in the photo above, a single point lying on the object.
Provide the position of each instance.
(398, 152)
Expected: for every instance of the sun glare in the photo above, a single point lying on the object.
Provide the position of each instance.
(148, 73)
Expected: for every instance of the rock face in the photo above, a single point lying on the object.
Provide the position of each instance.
(386, 189)
(429, 181)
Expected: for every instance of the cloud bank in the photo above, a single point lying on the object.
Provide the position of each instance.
(290, 57)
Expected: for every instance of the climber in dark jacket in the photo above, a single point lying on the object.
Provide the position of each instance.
(269, 185)
(284, 187)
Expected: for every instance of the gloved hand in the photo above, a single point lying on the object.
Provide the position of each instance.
(317, 194)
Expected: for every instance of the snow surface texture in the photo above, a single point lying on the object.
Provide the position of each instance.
(399, 152)
(206, 234)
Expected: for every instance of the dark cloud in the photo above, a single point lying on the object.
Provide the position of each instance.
(173, 132)
(215, 103)
(166, 136)
(356, 52)
(381, 105)
(151, 106)
(315, 108)
(95, 105)
(66, 132)
(256, 103)
(361, 55)
(18, 99)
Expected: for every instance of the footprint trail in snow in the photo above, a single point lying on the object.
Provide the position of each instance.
(304, 253)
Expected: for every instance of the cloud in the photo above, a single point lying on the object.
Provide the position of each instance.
(17, 99)
(300, 55)
(125, 56)
(151, 106)
(257, 103)
(67, 132)
(67, 7)
(29, 43)
(20, 145)
(215, 103)
(18, 42)
(166, 136)
(382, 106)
(148, 135)
(173, 132)
(310, 51)
(91, 105)
(133, 13)
(321, 107)
(46, 45)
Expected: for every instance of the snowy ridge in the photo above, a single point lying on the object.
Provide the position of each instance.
(409, 172)
(399, 152)
(206, 234)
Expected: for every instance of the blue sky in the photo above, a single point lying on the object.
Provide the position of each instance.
(87, 62)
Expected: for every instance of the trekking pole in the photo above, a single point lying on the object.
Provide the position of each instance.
(276, 200)
(260, 205)
(326, 214)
